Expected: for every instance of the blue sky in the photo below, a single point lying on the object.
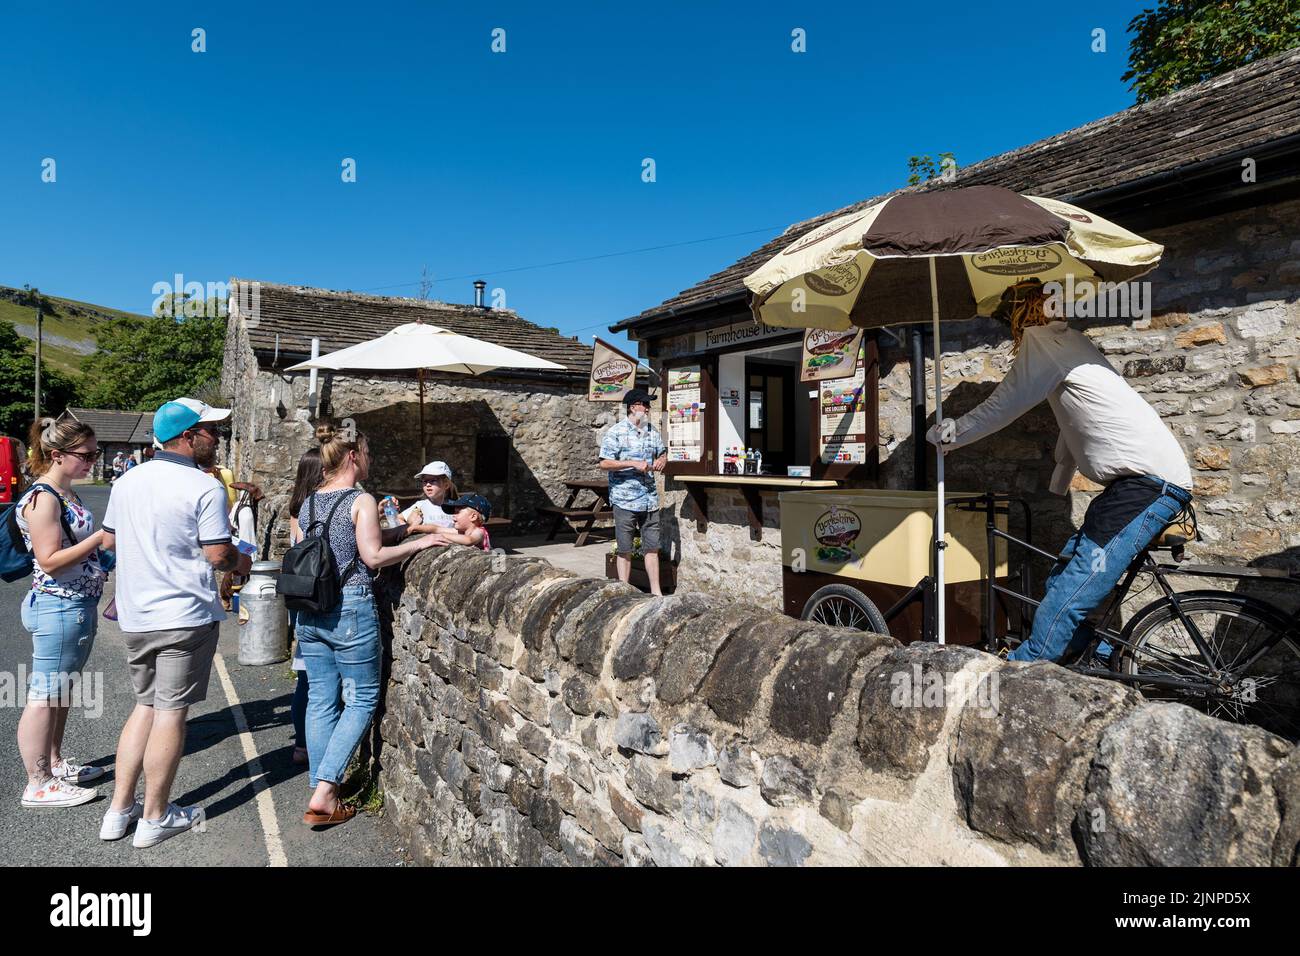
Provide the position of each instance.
(471, 162)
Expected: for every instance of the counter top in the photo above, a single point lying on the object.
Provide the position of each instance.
(756, 481)
(751, 487)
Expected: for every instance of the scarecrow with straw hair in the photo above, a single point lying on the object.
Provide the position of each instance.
(1110, 435)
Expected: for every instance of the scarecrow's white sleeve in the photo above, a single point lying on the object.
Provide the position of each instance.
(1065, 468)
(1032, 378)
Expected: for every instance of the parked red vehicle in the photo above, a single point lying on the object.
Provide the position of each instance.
(10, 476)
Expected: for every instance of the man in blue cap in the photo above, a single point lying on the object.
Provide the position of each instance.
(633, 452)
(167, 521)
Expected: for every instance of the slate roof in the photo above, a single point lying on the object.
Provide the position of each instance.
(1255, 104)
(143, 434)
(111, 425)
(340, 319)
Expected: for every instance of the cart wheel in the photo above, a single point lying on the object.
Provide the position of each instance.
(842, 606)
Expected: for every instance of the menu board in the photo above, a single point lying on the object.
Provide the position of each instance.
(829, 354)
(685, 424)
(843, 418)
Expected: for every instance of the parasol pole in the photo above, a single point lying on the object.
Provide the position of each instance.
(419, 376)
(939, 542)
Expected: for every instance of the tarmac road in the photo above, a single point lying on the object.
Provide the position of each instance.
(253, 794)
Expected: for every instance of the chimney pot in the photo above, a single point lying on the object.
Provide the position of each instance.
(479, 286)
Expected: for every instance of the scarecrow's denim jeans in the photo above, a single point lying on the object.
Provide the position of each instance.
(343, 652)
(1091, 572)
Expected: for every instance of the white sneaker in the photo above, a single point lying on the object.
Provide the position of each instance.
(117, 822)
(175, 820)
(65, 769)
(57, 793)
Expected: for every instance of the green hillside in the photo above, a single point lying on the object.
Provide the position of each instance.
(68, 336)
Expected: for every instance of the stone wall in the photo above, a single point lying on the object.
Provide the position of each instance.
(535, 717)
(1217, 359)
(554, 432)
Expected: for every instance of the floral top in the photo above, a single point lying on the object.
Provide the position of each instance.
(85, 579)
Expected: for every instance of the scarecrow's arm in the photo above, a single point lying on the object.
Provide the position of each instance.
(1032, 378)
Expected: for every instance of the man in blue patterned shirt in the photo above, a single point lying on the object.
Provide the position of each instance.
(633, 452)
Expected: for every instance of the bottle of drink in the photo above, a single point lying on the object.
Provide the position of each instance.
(390, 512)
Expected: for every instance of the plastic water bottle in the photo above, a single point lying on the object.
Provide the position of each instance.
(390, 513)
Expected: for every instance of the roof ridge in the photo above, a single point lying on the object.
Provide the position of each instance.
(434, 304)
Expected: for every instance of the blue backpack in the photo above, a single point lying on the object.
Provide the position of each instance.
(15, 559)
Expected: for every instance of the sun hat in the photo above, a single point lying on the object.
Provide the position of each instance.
(477, 502)
(635, 395)
(434, 468)
(175, 416)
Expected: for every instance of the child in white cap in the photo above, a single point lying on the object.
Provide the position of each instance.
(427, 515)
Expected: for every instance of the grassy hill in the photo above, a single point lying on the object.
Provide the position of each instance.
(66, 337)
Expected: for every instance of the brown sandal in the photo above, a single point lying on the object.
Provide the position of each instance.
(340, 814)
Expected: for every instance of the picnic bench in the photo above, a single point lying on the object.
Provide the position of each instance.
(570, 513)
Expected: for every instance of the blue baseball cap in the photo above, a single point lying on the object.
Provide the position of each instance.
(477, 502)
(175, 416)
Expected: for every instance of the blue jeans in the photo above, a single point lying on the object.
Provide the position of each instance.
(298, 710)
(343, 653)
(1093, 569)
(63, 632)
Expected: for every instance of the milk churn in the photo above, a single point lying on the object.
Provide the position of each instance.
(264, 636)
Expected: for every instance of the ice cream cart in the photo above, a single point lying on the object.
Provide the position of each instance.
(863, 558)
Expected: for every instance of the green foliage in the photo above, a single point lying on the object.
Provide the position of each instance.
(1182, 42)
(922, 169)
(18, 384)
(143, 362)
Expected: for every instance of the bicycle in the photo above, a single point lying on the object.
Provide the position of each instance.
(1228, 654)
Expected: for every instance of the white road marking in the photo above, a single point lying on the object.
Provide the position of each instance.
(265, 802)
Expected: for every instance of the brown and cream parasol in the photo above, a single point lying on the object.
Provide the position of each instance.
(946, 255)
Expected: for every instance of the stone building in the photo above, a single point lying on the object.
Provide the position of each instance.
(116, 431)
(1211, 172)
(511, 436)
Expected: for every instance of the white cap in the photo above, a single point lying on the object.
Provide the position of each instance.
(206, 412)
(434, 468)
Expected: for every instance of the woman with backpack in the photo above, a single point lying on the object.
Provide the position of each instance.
(60, 611)
(341, 645)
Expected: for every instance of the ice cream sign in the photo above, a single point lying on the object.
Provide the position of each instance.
(836, 531)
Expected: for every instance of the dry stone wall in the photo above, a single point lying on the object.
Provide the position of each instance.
(538, 718)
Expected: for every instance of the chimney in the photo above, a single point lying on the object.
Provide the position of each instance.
(479, 286)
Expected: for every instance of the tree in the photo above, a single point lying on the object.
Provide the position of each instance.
(1182, 42)
(922, 169)
(18, 383)
(142, 363)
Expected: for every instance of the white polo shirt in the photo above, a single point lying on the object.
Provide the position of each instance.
(162, 514)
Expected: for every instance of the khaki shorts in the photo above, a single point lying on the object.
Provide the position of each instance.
(170, 669)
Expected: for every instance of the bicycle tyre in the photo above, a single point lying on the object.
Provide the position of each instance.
(1276, 689)
(839, 605)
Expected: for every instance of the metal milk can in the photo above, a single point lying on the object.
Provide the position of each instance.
(264, 637)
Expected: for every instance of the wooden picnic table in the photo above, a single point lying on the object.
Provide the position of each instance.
(590, 513)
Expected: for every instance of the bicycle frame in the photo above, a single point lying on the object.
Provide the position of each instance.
(1143, 562)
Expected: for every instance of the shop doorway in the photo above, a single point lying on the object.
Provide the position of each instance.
(769, 413)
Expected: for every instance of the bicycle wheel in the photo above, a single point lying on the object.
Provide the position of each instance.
(1265, 693)
(842, 606)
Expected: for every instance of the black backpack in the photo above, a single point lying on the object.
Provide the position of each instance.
(309, 575)
(15, 559)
